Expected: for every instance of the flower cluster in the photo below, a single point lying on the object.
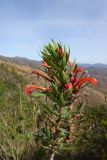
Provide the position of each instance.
(76, 82)
(61, 74)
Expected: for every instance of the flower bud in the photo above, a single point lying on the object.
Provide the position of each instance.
(59, 52)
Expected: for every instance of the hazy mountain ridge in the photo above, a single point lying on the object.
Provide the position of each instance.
(34, 63)
(21, 61)
(96, 65)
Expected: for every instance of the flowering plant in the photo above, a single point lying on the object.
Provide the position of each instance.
(65, 79)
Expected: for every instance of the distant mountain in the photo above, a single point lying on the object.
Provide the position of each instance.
(97, 65)
(21, 61)
(34, 63)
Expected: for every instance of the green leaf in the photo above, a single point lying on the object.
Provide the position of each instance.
(64, 51)
(63, 74)
(67, 94)
(64, 62)
(52, 97)
(48, 131)
(52, 64)
(38, 94)
(79, 106)
(68, 147)
(56, 74)
(54, 44)
(61, 100)
(63, 130)
(50, 110)
(55, 89)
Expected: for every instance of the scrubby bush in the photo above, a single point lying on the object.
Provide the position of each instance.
(52, 122)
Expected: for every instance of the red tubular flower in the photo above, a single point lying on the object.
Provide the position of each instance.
(68, 86)
(85, 80)
(38, 73)
(45, 64)
(30, 88)
(74, 79)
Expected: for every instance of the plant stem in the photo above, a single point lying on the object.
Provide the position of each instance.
(52, 156)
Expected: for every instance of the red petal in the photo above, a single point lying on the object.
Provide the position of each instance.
(68, 85)
(38, 73)
(30, 88)
(45, 64)
(85, 80)
(74, 79)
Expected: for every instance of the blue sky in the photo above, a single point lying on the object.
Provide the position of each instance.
(25, 25)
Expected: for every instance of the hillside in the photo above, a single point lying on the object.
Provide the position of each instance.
(16, 70)
(17, 119)
(21, 61)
